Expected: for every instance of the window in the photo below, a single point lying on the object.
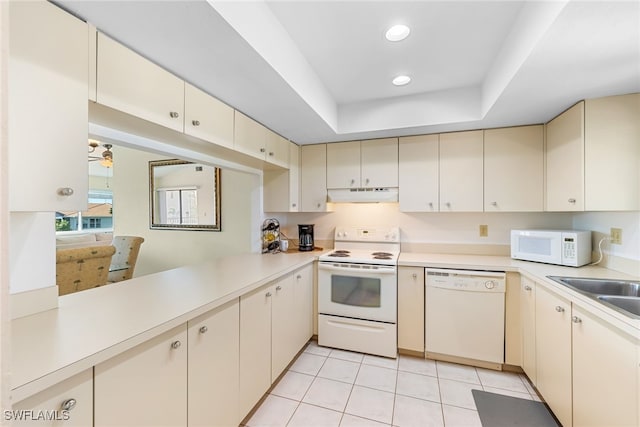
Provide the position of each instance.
(98, 216)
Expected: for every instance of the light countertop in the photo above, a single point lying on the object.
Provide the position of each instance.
(92, 326)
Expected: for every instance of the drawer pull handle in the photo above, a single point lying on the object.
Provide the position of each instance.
(572, 200)
(68, 404)
(527, 288)
(298, 277)
(175, 345)
(268, 294)
(174, 115)
(203, 329)
(66, 191)
(195, 122)
(278, 288)
(559, 309)
(576, 319)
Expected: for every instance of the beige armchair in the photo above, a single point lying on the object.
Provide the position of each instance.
(124, 260)
(79, 269)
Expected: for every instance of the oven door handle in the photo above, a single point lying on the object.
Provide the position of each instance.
(378, 270)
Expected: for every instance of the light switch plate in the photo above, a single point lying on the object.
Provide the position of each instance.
(484, 230)
(616, 236)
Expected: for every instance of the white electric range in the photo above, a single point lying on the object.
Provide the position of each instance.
(357, 291)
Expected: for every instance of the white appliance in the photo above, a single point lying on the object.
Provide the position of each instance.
(357, 291)
(464, 314)
(563, 247)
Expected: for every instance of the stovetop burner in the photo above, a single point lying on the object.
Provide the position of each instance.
(339, 254)
(341, 251)
(382, 254)
(382, 257)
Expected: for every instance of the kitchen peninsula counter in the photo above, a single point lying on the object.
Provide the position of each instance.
(537, 272)
(92, 326)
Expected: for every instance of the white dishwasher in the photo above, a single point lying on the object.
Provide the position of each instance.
(464, 314)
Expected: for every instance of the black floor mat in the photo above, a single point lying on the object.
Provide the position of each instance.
(497, 410)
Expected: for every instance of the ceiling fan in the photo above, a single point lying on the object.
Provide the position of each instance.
(106, 159)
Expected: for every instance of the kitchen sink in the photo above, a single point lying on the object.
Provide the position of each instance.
(626, 288)
(630, 304)
(621, 295)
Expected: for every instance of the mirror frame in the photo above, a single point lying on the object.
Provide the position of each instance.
(193, 227)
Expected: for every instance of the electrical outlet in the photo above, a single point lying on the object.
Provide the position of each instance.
(484, 230)
(616, 236)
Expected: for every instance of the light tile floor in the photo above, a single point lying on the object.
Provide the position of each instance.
(329, 387)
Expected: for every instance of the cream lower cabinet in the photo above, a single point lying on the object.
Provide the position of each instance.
(553, 352)
(68, 403)
(418, 173)
(213, 367)
(411, 309)
(144, 386)
(528, 323)
(275, 323)
(512, 321)
(605, 373)
(313, 178)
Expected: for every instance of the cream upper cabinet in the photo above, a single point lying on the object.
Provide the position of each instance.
(144, 386)
(47, 108)
(343, 165)
(313, 178)
(605, 373)
(250, 137)
(514, 169)
(363, 164)
(411, 308)
(528, 322)
(71, 400)
(213, 367)
(612, 153)
(379, 163)
(207, 118)
(281, 187)
(553, 353)
(418, 173)
(130, 83)
(564, 181)
(277, 150)
(461, 171)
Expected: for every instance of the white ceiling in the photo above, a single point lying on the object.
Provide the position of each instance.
(320, 71)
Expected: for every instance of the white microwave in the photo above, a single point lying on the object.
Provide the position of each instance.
(562, 247)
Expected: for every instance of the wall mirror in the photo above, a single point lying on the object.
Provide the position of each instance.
(184, 196)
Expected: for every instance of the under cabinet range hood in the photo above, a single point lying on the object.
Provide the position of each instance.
(362, 195)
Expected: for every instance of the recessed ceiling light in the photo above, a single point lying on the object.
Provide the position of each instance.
(397, 33)
(401, 80)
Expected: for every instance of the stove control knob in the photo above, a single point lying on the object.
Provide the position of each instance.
(489, 284)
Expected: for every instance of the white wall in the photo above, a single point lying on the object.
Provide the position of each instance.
(446, 228)
(602, 222)
(166, 249)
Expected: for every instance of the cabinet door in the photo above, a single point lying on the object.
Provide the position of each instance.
(277, 149)
(379, 163)
(214, 364)
(512, 328)
(313, 178)
(294, 177)
(564, 180)
(207, 118)
(612, 153)
(281, 187)
(71, 401)
(553, 352)
(250, 137)
(343, 165)
(283, 326)
(461, 185)
(47, 108)
(303, 303)
(605, 373)
(255, 347)
(132, 84)
(411, 308)
(144, 386)
(418, 173)
(514, 169)
(528, 319)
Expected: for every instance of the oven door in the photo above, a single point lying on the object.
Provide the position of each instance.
(358, 291)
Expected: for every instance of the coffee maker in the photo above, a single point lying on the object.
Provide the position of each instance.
(305, 236)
